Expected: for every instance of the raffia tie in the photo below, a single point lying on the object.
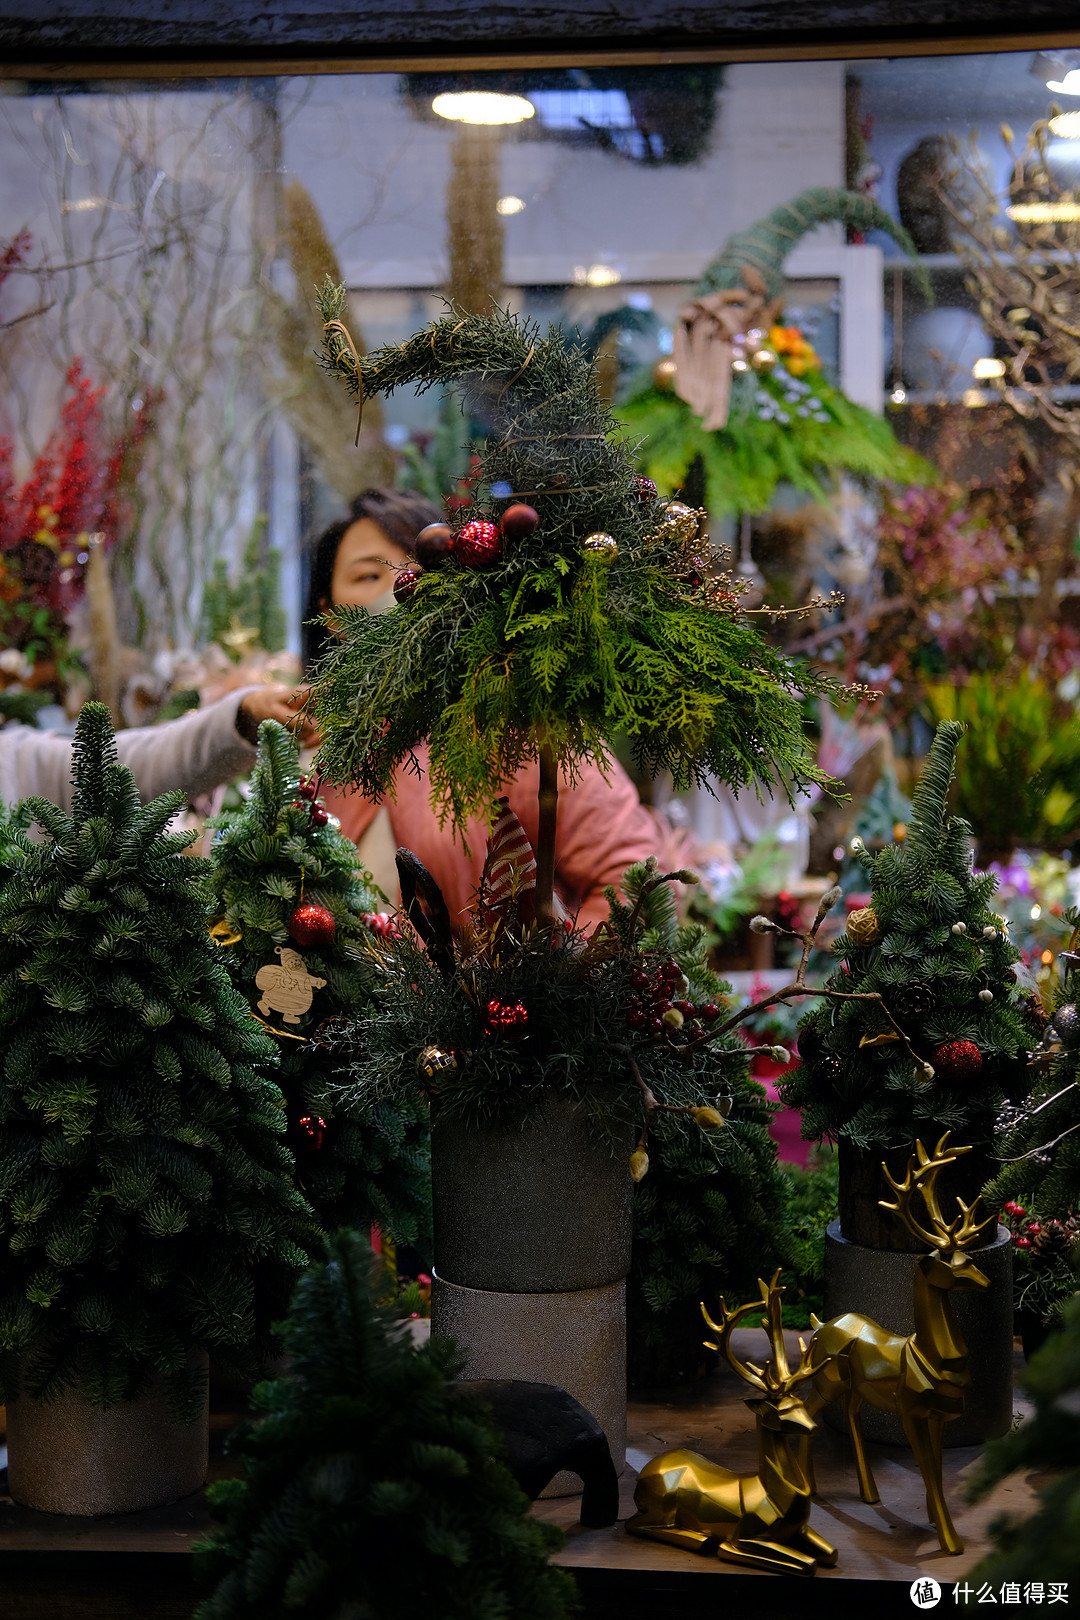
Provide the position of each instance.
(702, 348)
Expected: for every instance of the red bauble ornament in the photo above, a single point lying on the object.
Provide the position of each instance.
(310, 1131)
(645, 489)
(380, 922)
(406, 583)
(957, 1060)
(312, 925)
(519, 521)
(507, 1018)
(434, 544)
(479, 542)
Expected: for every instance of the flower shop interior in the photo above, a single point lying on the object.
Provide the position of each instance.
(540, 836)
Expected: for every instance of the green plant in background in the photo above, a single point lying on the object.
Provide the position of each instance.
(939, 1052)
(813, 1194)
(734, 890)
(785, 423)
(372, 1486)
(360, 1161)
(1019, 736)
(247, 615)
(146, 1207)
(1043, 1547)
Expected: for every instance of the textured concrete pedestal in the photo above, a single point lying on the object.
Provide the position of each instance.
(66, 1456)
(879, 1284)
(575, 1340)
(532, 1229)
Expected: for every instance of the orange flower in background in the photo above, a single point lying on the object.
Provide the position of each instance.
(797, 354)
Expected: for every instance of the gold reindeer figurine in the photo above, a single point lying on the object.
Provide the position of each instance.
(760, 1519)
(921, 1376)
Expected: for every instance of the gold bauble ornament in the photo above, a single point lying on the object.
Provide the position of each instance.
(864, 926)
(434, 1061)
(763, 359)
(664, 373)
(674, 511)
(604, 546)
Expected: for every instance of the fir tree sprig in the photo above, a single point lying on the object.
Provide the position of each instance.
(146, 1206)
(373, 1486)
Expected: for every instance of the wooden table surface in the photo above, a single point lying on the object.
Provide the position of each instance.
(138, 1565)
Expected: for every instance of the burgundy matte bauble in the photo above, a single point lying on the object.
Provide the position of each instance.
(434, 544)
(957, 1060)
(311, 924)
(519, 521)
(319, 816)
(406, 583)
(507, 1018)
(645, 489)
(479, 542)
(310, 1132)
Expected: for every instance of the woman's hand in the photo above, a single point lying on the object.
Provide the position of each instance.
(276, 702)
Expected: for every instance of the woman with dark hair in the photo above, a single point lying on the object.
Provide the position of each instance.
(602, 827)
(355, 561)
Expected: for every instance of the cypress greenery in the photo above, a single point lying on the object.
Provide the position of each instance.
(939, 945)
(712, 1215)
(370, 1163)
(1044, 1547)
(146, 1211)
(372, 1488)
(552, 648)
(780, 427)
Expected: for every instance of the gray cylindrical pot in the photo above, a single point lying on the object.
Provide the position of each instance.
(532, 1231)
(66, 1456)
(879, 1284)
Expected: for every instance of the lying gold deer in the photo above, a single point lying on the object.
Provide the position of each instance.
(921, 1376)
(760, 1519)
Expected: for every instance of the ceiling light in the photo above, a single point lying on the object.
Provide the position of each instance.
(1068, 86)
(1058, 70)
(509, 205)
(482, 107)
(596, 275)
(1043, 213)
(1067, 125)
(988, 367)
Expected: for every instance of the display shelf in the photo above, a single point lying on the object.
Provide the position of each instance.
(139, 1564)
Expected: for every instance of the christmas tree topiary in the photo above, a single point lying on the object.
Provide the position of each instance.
(1043, 1548)
(146, 1209)
(286, 884)
(939, 1050)
(373, 1488)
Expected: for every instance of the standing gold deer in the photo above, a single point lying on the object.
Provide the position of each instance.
(760, 1519)
(921, 1376)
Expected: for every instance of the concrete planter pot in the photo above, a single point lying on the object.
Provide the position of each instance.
(879, 1284)
(532, 1231)
(66, 1456)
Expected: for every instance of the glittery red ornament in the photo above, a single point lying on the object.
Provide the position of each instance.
(310, 1131)
(405, 583)
(519, 521)
(645, 489)
(433, 544)
(957, 1060)
(479, 542)
(311, 924)
(507, 1018)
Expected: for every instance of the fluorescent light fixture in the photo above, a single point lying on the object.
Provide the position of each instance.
(596, 275)
(1067, 125)
(509, 205)
(988, 367)
(482, 107)
(1068, 86)
(83, 205)
(1044, 213)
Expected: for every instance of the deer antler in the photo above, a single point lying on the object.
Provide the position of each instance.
(729, 1320)
(922, 1173)
(775, 1378)
(965, 1229)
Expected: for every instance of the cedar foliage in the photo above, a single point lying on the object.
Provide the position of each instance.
(146, 1210)
(373, 1164)
(1043, 1547)
(919, 890)
(550, 643)
(373, 1489)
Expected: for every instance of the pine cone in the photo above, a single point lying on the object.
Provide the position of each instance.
(910, 1003)
(1032, 1005)
(1052, 1242)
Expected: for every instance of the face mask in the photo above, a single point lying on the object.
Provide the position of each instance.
(383, 603)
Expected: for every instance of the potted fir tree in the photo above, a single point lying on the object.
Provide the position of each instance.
(291, 903)
(936, 1051)
(147, 1217)
(571, 606)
